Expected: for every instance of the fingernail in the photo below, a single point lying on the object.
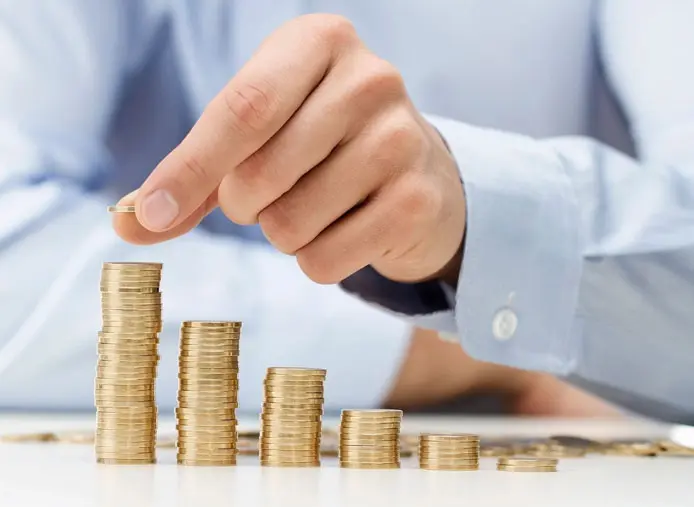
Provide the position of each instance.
(159, 210)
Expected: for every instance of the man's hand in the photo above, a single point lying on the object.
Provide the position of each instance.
(317, 141)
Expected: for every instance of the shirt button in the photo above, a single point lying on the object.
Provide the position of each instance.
(504, 324)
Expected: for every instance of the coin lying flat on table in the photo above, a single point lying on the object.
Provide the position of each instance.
(121, 209)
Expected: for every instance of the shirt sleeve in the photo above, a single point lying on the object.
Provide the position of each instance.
(63, 66)
(579, 260)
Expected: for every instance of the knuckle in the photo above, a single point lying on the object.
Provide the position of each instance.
(279, 227)
(317, 266)
(250, 106)
(254, 173)
(195, 167)
(382, 80)
(417, 199)
(335, 29)
(233, 205)
(401, 139)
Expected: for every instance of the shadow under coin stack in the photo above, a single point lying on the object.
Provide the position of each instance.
(126, 411)
(527, 464)
(370, 438)
(449, 452)
(291, 419)
(208, 393)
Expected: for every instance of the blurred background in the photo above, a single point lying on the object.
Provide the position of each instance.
(94, 94)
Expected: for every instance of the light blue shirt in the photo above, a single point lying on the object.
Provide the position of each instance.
(579, 254)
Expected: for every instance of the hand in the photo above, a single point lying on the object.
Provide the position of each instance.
(317, 141)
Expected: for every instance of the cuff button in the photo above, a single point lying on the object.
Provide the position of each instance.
(504, 324)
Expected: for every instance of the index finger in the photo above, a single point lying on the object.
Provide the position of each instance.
(251, 108)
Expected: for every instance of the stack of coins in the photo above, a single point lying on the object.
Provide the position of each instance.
(527, 464)
(208, 393)
(449, 452)
(126, 371)
(291, 419)
(370, 438)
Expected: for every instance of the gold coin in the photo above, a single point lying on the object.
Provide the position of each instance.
(192, 452)
(115, 346)
(439, 456)
(291, 427)
(216, 366)
(530, 462)
(207, 406)
(141, 411)
(316, 396)
(212, 323)
(126, 461)
(286, 419)
(373, 466)
(286, 408)
(203, 413)
(130, 446)
(508, 468)
(289, 464)
(203, 375)
(308, 384)
(351, 453)
(126, 424)
(201, 449)
(199, 435)
(132, 265)
(137, 337)
(372, 413)
(111, 274)
(295, 371)
(132, 432)
(121, 209)
(448, 438)
(307, 456)
(206, 463)
(125, 389)
(458, 468)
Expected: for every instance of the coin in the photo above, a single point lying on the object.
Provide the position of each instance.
(295, 372)
(373, 466)
(508, 468)
(121, 209)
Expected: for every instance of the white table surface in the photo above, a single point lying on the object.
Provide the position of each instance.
(58, 475)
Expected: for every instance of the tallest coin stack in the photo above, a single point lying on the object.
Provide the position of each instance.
(126, 422)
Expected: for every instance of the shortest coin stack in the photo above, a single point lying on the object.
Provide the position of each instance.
(449, 452)
(527, 464)
(208, 369)
(370, 438)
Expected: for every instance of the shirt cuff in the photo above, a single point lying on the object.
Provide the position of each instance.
(518, 288)
(425, 304)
